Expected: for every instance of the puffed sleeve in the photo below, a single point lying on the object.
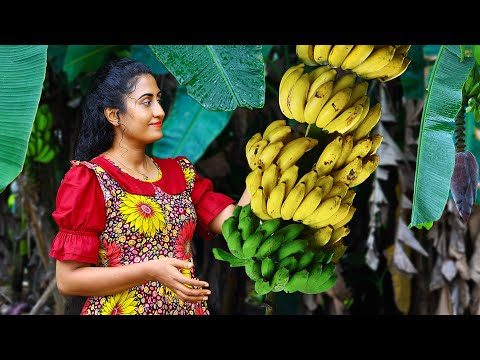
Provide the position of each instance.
(208, 204)
(80, 216)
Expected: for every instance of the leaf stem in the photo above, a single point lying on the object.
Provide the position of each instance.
(460, 127)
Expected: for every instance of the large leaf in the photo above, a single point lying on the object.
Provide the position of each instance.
(84, 58)
(189, 129)
(436, 150)
(144, 54)
(22, 72)
(219, 77)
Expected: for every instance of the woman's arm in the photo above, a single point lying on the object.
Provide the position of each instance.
(216, 224)
(76, 278)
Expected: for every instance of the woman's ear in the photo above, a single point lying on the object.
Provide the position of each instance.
(112, 116)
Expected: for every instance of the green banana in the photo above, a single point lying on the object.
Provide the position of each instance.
(247, 227)
(305, 260)
(253, 269)
(252, 243)
(269, 246)
(280, 279)
(269, 227)
(229, 226)
(236, 211)
(263, 287)
(245, 211)
(223, 255)
(291, 231)
(323, 256)
(297, 281)
(267, 268)
(319, 274)
(235, 244)
(291, 248)
(290, 262)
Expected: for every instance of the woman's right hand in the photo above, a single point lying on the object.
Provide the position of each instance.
(167, 271)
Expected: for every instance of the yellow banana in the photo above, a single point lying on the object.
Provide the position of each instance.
(349, 196)
(359, 89)
(323, 78)
(281, 133)
(297, 98)
(360, 148)
(275, 200)
(365, 101)
(326, 182)
(344, 81)
(305, 54)
(321, 237)
(328, 157)
(272, 126)
(319, 70)
(376, 142)
(376, 60)
(258, 204)
(253, 180)
(308, 204)
(293, 153)
(254, 139)
(338, 54)
(324, 210)
(320, 53)
(338, 234)
(368, 123)
(402, 49)
(370, 164)
(287, 73)
(338, 189)
(269, 179)
(349, 172)
(289, 177)
(268, 155)
(336, 217)
(317, 101)
(400, 71)
(393, 67)
(286, 88)
(346, 149)
(292, 201)
(333, 107)
(309, 179)
(345, 120)
(356, 56)
(346, 219)
(255, 152)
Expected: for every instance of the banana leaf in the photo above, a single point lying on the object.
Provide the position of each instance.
(189, 129)
(84, 58)
(436, 148)
(219, 77)
(144, 54)
(22, 73)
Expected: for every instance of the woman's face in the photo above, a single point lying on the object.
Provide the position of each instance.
(143, 119)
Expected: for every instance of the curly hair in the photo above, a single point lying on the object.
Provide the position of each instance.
(111, 85)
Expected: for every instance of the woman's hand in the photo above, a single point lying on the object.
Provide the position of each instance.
(167, 271)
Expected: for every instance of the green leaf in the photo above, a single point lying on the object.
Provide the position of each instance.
(219, 77)
(189, 129)
(266, 50)
(436, 150)
(22, 73)
(84, 58)
(425, 225)
(476, 53)
(144, 54)
(413, 79)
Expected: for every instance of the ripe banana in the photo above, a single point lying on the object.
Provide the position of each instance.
(325, 182)
(328, 157)
(293, 152)
(258, 203)
(253, 180)
(346, 219)
(368, 123)
(402, 49)
(317, 101)
(286, 87)
(268, 155)
(297, 97)
(356, 56)
(336, 217)
(275, 200)
(338, 234)
(253, 140)
(321, 79)
(333, 107)
(289, 177)
(370, 164)
(292, 201)
(308, 204)
(281, 133)
(319, 70)
(305, 54)
(338, 189)
(392, 68)
(320, 53)
(344, 81)
(321, 237)
(402, 69)
(359, 89)
(272, 126)
(346, 149)
(365, 101)
(345, 120)
(376, 141)
(349, 172)
(287, 73)
(254, 152)
(309, 179)
(337, 54)
(349, 196)
(323, 211)
(360, 149)
(376, 60)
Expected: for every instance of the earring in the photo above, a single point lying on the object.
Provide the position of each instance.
(118, 122)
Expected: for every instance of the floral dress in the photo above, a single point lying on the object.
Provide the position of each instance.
(134, 221)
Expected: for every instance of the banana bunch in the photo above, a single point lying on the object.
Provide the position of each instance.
(382, 62)
(276, 255)
(40, 147)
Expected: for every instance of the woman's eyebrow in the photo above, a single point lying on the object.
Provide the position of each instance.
(148, 94)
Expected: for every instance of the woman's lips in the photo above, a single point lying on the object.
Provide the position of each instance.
(158, 124)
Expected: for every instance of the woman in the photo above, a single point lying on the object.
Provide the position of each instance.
(126, 220)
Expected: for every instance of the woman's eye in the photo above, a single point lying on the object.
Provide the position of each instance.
(148, 102)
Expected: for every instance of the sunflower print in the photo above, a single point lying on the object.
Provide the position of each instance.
(142, 214)
(110, 254)
(189, 174)
(183, 246)
(123, 303)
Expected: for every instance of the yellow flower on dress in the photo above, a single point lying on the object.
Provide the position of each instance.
(121, 304)
(142, 214)
(189, 174)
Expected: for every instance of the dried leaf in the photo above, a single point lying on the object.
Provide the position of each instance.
(402, 261)
(463, 269)
(401, 283)
(388, 114)
(475, 300)
(389, 152)
(371, 257)
(407, 237)
(437, 280)
(309, 301)
(464, 182)
(405, 202)
(475, 261)
(445, 303)
(460, 297)
(449, 270)
(474, 222)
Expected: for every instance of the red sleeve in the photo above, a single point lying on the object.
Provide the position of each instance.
(80, 215)
(208, 204)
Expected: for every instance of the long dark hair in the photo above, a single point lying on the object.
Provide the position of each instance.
(112, 83)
